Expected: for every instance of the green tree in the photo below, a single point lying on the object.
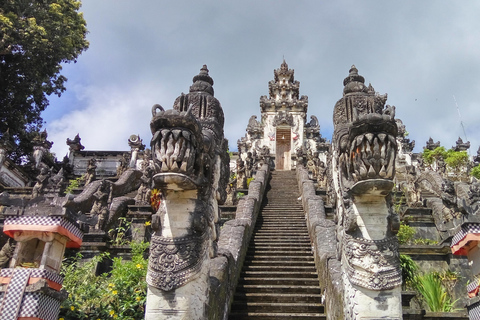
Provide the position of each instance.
(36, 37)
(476, 171)
(455, 160)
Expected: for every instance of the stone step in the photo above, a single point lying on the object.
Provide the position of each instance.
(279, 278)
(296, 242)
(280, 273)
(279, 211)
(280, 237)
(274, 316)
(299, 307)
(275, 262)
(283, 233)
(256, 252)
(279, 281)
(280, 289)
(298, 223)
(288, 246)
(276, 215)
(278, 297)
(287, 268)
(270, 238)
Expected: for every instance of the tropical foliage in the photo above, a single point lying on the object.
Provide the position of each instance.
(36, 37)
(405, 234)
(475, 172)
(454, 160)
(409, 271)
(119, 294)
(434, 293)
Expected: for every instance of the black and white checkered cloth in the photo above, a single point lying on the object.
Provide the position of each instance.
(12, 299)
(36, 273)
(44, 221)
(466, 229)
(472, 285)
(39, 305)
(474, 311)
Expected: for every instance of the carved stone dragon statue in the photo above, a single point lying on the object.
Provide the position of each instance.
(363, 165)
(191, 171)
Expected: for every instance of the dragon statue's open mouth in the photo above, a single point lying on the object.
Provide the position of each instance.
(177, 144)
(372, 147)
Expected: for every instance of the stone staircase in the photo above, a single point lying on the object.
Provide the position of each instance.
(279, 279)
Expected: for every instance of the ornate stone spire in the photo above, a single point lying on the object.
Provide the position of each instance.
(354, 82)
(202, 82)
(204, 106)
(284, 92)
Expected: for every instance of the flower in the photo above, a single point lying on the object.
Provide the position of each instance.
(61, 319)
(138, 298)
(139, 266)
(147, 223)
(115, 316)
(111, 285)
(114, 292)
(112, 312)
(72, 308)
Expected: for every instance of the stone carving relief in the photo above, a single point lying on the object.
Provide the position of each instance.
(430, 145)
(144, 192)
(40, 146)
(283, 118)
(42, 181)
(176, 261)
(100, 208)
(75, 144)
(91, 173)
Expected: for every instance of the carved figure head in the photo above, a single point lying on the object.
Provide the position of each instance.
(364, 135)
(187, 137)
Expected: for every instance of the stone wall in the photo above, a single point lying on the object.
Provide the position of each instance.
(322, 235)
(232, 247)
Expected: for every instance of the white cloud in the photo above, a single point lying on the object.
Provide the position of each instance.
(108, 118)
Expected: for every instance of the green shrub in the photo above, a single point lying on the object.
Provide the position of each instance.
(429, 156)
(424, 241)
(74, 184)
(455, 160)
(405, 234)
(120, 294)
(409, 271)
(475, 172)
(434, 293)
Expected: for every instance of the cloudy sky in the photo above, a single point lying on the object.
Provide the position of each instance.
(422, 53)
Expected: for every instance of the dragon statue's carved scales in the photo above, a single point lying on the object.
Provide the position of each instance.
(363, 166)
(190, 163)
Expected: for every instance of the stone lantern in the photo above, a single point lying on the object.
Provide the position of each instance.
(31, 286)
(467, 242)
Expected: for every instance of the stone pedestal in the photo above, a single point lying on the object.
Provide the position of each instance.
(140, 217)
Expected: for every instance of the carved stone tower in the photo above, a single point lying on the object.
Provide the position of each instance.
(282, 129)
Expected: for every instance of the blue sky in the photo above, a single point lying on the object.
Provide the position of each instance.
(422, 53)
